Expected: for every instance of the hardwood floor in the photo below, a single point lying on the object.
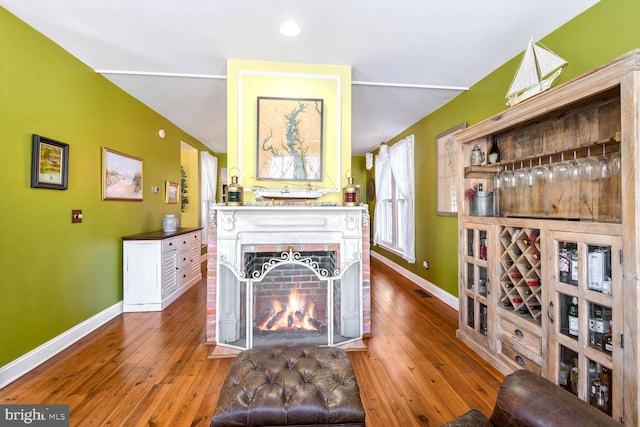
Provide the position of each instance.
(153, 368)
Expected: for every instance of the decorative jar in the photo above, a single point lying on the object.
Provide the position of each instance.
(169, 223)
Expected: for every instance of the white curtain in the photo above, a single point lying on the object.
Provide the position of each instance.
(383, 192)
(209, 183)
(401, 159)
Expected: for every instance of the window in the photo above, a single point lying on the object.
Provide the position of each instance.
(209, 173)
(394, 225)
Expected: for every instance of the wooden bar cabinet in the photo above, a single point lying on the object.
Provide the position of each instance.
(549, 267)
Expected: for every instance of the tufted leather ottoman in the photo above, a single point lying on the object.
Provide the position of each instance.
(290, 386)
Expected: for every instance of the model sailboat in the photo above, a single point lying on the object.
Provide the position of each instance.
(539, 69)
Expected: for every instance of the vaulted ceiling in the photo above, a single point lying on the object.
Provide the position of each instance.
(408, 57)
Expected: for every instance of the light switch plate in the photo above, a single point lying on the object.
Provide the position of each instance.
(76, 216)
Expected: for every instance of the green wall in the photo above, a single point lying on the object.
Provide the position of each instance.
(600, 34)
(56, 274)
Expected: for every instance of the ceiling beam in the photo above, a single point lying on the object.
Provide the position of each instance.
(223, 77)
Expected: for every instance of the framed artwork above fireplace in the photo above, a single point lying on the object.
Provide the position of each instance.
(289, 133)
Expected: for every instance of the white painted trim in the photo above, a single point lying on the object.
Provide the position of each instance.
(408, 85)
(224, 77)
(163, 74)
(17, 368)
(336, 77)
(437, 292)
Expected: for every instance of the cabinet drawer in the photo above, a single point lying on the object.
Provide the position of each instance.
(186, 240)
(521, 335)
(170, 244)
(195, 237)
(184, 259)
(519, 359)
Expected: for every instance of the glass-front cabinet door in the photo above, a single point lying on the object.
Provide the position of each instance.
(585, 332)
(475, 283)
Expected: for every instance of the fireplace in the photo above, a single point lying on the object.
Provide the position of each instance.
(287, 276)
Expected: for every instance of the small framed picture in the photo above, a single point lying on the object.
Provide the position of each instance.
(49, 163)
(171, 192)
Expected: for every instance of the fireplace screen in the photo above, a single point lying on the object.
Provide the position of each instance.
(289, 298)
(290, 307)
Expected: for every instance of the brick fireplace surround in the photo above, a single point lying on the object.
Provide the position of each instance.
(236, 234)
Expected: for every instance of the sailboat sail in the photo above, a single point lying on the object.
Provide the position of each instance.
(538, 70)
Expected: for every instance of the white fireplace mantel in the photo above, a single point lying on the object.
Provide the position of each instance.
(289, 225)
(235, 231)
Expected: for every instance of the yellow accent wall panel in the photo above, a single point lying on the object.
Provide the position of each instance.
(249, 80)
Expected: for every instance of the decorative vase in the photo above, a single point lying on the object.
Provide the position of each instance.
(169, 223)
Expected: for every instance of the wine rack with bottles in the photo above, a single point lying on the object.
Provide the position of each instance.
(520, 283)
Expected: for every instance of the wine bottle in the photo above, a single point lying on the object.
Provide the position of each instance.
(494, 152)
(564, 263)
(573, 317)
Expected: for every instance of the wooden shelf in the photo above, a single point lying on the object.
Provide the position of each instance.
(487, 171)
(611, 145)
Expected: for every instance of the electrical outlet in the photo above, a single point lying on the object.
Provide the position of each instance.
(425, 264)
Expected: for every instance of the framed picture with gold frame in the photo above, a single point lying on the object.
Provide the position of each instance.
(121, 176)
(171, 192)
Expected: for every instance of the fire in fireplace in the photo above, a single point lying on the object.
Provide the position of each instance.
(297, 315)
(290, 300)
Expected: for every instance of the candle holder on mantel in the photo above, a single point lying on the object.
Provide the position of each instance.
(235, 192)
(350, 192)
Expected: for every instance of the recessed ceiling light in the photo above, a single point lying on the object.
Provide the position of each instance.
(290, 29)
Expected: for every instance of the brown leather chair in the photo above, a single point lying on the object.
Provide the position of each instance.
(528, 400)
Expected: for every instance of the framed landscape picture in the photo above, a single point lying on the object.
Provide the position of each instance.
(447, 172)
(121, 176)
(49, 163)
(289, 139)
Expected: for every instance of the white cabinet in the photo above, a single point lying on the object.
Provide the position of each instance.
(159, 267)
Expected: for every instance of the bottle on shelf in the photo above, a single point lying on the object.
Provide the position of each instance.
(595, 392)
(575, 374)
(573, 262)
(599, 390)
(563, 263)
(599, 326)
(494, 151)
(573, 317)
(563, 377)
(605, 387)
(483, 249)
(608, 340)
